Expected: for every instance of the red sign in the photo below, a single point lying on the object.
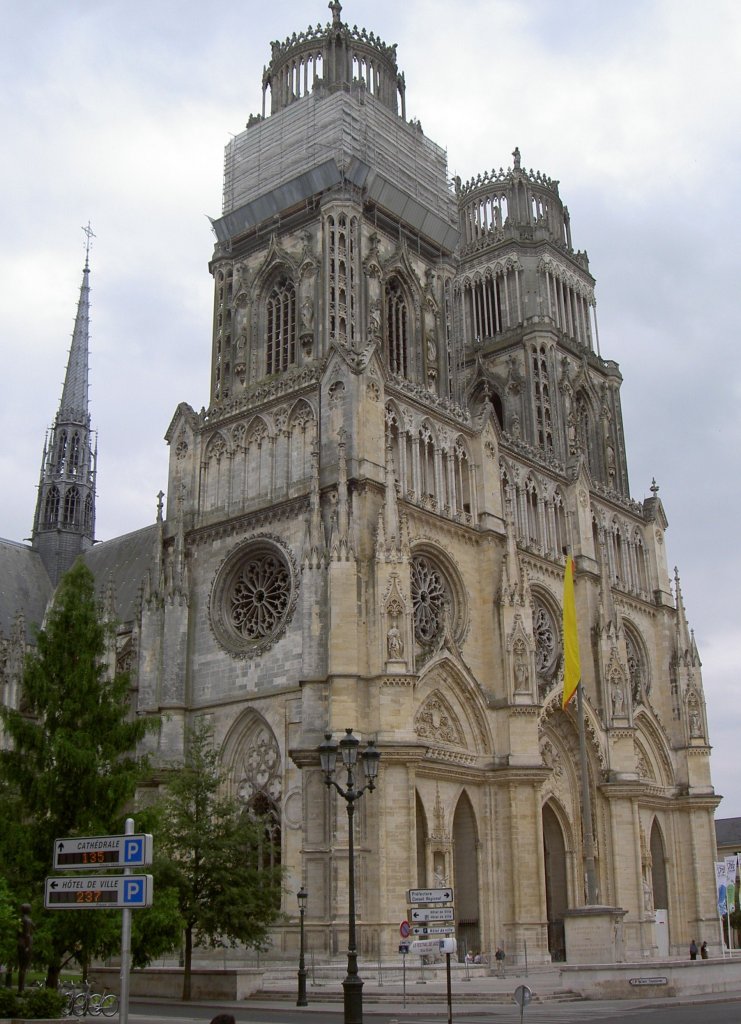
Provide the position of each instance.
(405, 929)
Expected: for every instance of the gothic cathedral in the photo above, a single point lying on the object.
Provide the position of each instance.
(409, 423)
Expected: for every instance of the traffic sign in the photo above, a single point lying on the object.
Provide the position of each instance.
(430, 895)
(98, 892)
(443, 929)
(417, 914)
(404, 929)
(425, 946)
(92, 852)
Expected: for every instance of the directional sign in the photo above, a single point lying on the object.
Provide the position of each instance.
(424, 946)
(417, 914)
(89, 853)
(98, 892)
(430, 895)
(443, 929)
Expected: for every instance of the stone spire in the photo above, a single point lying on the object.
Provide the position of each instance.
(64, 524)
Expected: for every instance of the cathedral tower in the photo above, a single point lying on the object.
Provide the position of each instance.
(64, 523)
(409, 421)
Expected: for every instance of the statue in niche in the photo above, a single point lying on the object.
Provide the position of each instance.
(695, 724)
(307, 315)
(515, 426)
(648, 896)
(374, 319)
(431, 347)
(438, 872)
(618, 700)
(395, 644)
(522, 672)
(611, 469)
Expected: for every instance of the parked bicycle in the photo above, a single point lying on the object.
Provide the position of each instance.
(86, 1003)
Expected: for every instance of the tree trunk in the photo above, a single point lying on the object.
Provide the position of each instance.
(187, 961)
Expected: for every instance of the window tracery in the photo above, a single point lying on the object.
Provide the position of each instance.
(280, 345)
(398, 328)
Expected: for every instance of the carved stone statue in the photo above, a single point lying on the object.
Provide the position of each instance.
(648, 897)
(522, 673)
(695, 724)
(618, 700)
(395, 644)
(516, 157)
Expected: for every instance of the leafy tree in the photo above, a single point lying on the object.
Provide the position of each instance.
(225, 894)
(71, 767)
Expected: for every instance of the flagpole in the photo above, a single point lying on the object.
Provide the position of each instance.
(590, 871)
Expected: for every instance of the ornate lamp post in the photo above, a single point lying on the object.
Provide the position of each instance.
(302, 896)
(348, 747)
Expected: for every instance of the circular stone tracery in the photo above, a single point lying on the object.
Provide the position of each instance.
(253, 597)
(429, 599)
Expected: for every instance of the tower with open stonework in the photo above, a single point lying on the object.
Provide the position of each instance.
(409, 419)
(64, 522)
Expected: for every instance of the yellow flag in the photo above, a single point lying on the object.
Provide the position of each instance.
(571, 666)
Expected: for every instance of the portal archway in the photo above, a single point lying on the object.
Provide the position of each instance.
(465, 866)
(556, 882)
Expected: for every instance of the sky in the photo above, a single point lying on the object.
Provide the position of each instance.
(117, 112)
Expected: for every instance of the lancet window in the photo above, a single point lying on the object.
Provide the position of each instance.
(74, 454)
(541, 385)
(51, 507)
(71, 507)
(342, 277)
(280, 347)
(398, 328)
(62, 451)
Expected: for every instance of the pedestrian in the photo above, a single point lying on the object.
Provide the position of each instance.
(704, 951)
(224, 1018)
(499, 957)
(693, 950)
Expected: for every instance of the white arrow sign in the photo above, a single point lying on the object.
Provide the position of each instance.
(424, 946)
(443, 929)
(431, 914)
(430, 895)
(98, 892)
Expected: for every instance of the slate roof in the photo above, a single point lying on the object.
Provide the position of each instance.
(25, 587)
(728, 832)
(125, 560)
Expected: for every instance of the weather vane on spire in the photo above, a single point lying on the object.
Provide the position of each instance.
(88, 231)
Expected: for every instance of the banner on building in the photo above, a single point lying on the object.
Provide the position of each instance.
(720, 885)
(731, 873)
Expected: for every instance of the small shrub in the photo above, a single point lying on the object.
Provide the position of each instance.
(8, 1003)
(42, 1002)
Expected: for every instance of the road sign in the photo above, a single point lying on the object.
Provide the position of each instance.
(417, 914)
(404, 929)
(430, 895)
(90, 853)
(98, 892)
(522, 995)
(426, 946)
(443, 929)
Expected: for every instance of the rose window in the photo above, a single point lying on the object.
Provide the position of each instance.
(546, 642)
(253, 597)
(259, 597)
(429, 599)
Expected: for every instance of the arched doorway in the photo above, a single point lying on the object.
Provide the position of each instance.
(556, 886)
(421, 830)
(660, 889)
(465, 866)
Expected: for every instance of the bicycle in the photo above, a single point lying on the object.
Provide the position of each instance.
(94, 1003)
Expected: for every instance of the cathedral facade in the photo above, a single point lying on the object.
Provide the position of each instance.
(409, 423)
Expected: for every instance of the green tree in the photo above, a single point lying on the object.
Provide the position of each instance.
(226, 893)
(71, 767)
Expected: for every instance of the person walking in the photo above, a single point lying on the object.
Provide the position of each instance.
(704, 951)
(693, 950)
(499, 957)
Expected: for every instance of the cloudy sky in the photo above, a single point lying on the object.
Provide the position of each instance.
(117, 112)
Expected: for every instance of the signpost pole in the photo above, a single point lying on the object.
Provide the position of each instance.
(450, 994)
(123, 1011)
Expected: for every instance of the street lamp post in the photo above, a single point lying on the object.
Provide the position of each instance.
(348, 748)
(302, 896)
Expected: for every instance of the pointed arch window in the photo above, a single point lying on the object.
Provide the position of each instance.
(397, 328)
(62, 451)
(542, 396)
(281, 326)
(88, 513)
(71, 507)
(74, 454)
(51, 507)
